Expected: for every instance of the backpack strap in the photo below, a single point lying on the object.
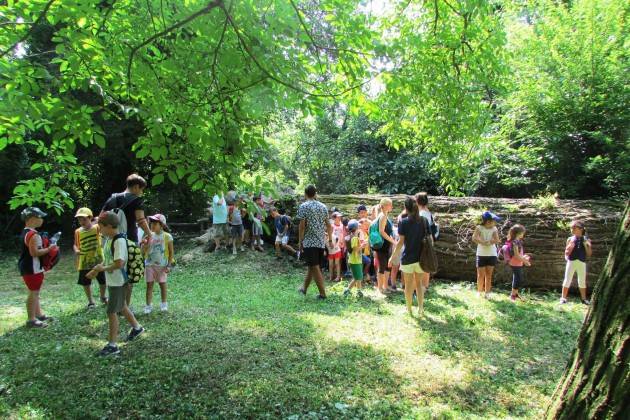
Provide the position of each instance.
(117, 236)
(29, 235)
(127, 203)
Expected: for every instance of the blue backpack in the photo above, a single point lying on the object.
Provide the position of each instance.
(376, 240)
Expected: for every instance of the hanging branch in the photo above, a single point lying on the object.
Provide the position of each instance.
(30, 30)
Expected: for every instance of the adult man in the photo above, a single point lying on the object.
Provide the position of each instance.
(314, 224)
(219, 219)
(130, 202)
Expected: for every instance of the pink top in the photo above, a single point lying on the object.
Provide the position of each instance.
(339, 231)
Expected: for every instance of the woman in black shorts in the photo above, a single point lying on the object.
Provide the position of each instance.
(386, 230)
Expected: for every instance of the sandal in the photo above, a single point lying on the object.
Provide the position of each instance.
(36, 324)
(44, 318)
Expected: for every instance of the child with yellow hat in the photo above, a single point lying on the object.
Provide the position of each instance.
(89, 250)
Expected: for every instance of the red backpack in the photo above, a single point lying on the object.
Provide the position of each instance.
(49, 260)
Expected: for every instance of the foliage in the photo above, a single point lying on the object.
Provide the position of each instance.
(566, 115)
(345, 154)
(238, 331)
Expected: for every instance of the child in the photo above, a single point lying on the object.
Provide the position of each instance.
(364, 237)
(355, 258)
(578, 248)
(115, 268)
(517, 258)
(236, 226)
(89, 251)
(30, 265)
(282, 224)
(334, 257)
(257, 229)
(247, 227)
(339, 231)
(159, 254)
(486, 236)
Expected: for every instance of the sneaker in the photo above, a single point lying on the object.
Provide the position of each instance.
(302, 291)
(45, 318)
(164, 306)
(109, 350)
(36, 324)
(320, 297)
(563, 300)
(134, 333)
(148, 309)
(242, 249)
(586, 302)
(233, 251)
(513, 298)
(91, 305)
(360, 294)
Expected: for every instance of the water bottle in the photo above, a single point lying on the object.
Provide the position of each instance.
(55, 238)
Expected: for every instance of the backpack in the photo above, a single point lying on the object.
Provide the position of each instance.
(376, 240)
(49, 260)
(348, 241)
(119, 210)
(506, 252)
(135, 260)
(434, 228)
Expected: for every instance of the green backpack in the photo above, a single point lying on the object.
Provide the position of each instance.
(135, 260)
(376, 240)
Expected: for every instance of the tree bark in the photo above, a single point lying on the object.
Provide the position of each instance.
(596, 382)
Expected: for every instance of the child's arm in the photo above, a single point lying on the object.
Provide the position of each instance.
(34, 251)
(495, 237)
(569, 247)
(171, 253)
(399, 245)
(588, 247)
(519, 257)
(75, 246)
(476, 238)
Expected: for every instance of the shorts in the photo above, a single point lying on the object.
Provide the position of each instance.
(366, 260)
(116, 301)
(33, 281)
(155, 273)
(336, 256)
(411, 268)
(282, 239)
(313, 257)
(357, 271)
(575, 267)
(483, 261)
(220, 231)
(236, 231)
(517, 276)
(383, 260)
(84, 281)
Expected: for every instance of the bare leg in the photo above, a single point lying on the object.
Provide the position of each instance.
(583, 292)
(417, 280)
(425, 280)
(149, 293)
(338, 268)
(488, 280)
(409, 288)
(38, 308)
(101, 290)
(319, 280)
(481, 274)
(565, 292)
(163, 292)
(113, 328)
(331, 269)
(30, 304)
(88, 294)
(394, 275)
(289, 249)
(277, 246)
(307, 279)
(128, 293)
(130, 317)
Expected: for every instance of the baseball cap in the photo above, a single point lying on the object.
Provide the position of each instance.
(361, 207)
(159, 218)
(337, 214)
(488, 215)
(84, 212)
(353, 225)
(29, 212)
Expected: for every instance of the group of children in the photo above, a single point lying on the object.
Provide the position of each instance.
(102, 253)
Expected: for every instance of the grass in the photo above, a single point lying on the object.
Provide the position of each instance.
(239, 341)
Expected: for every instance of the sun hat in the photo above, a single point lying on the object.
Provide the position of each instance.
(337, 214)
(353, 225)
(29, 212)
(84, 212)
(160, 218)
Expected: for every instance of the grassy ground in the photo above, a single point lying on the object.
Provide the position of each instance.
(239, 341)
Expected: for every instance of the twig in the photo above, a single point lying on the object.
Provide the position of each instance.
(30, 30)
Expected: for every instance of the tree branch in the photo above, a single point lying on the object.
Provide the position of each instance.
(30, 30)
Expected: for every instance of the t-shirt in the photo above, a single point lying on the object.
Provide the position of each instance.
(486, 235)
(116, 277)
(129, 203)
(158, 253)
(27, 263)
(281, 222)
(90, 246)
(339, 231)
(516, 244)
(414, 233)
(235, 218)
(219, 211)
(355, 256)
(315, 214)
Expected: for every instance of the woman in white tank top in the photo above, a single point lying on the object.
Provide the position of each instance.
(486, 236)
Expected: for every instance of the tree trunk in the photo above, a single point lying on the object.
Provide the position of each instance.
(596, 382)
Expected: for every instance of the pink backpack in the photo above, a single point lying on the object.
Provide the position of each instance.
(505, 253)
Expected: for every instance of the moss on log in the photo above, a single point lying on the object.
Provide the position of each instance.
(547, 223)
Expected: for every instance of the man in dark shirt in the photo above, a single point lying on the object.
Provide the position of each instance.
(131, 203)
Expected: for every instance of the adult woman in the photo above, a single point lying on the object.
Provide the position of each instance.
(422, 199)
(412, 230)
(386, 230)
(486, 236)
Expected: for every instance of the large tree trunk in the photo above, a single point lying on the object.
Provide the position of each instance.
(547, 232)
(596, 382)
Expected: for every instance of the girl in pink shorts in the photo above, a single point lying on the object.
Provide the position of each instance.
(159, 258)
